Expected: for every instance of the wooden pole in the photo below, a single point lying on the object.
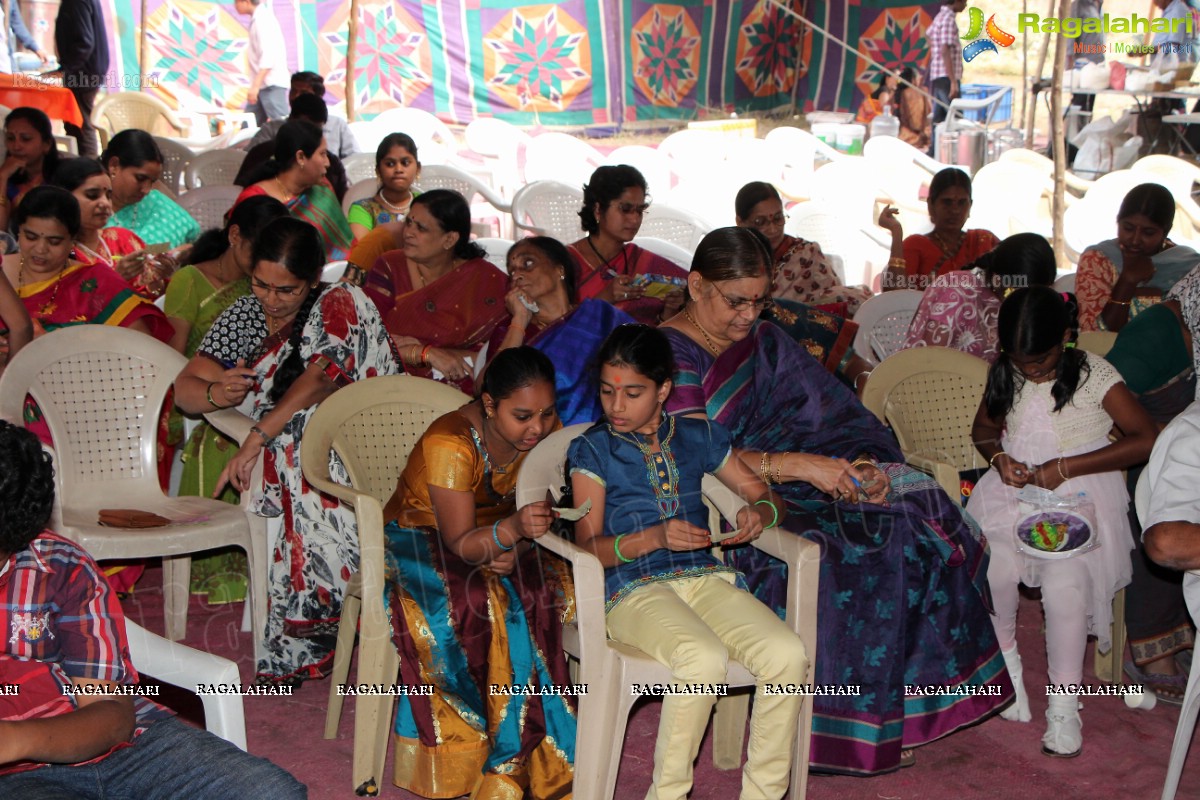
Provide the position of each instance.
(1058, 140)
(1025, 63)
(141, 48)
(1031, 111)
(351, 48)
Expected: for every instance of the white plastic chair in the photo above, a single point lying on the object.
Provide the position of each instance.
(903, 169)
(1011, 198)
(654, 165)
(1066, 283)
(333, 271)
(368, 136)
(681, 256)
(675, 225)
(176, 158)
(209, 204)
(561, 157)
(100, 389)
(360, 166)
(832, 184)
(609, 668)
(422, 126)
(1176, 174)
(1191, 696)
(1032, 158)
(956, 116)
(372, 425)
(548, 208)
(840, 240)
(803, 142)
(499, 144)
(497, 253)
(214, 168)
(186, 667)
(753, 160)
(120, 111)
(883, 322)
(692, 150)
(443, 176)
(359, 190)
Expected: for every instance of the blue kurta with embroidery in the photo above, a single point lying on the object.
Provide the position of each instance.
(644, 489)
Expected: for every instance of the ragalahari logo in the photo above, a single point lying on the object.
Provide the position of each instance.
(976, 29)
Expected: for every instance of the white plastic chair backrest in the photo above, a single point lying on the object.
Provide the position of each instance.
(821, 223)
(668, 250)
(209, 204)
(497, 251)
(550, 208)
(214, 168)
(753, 160)
(124, 110)
(654, 165)
(1066, 283)
(830, 182)
(494, 138)
(100, 389)
(689, 149)
(803, 143)
(359, 190)
(675, 225)
(883, 322)
(559, 157)
(360, 166)
(422, 126)
(161, 302)
(66, 144)
(545, 466)
(956, 118)
(333, 271)
(444, 176)
(176, 158)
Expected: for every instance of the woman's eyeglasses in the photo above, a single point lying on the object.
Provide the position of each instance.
(282, 291)
(742, 303)
(774, 219)
(633, 208)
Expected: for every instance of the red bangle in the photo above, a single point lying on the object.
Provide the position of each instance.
(425, 354)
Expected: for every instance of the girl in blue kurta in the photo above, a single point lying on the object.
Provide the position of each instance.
(667, 595)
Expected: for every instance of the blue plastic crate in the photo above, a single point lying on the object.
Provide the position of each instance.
(980, 91)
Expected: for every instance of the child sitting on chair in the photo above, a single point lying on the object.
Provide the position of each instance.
(667, 595)
(64, 633)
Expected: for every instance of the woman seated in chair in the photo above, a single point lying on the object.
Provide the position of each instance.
(440, 297)
(667, 595)
(913, 108)
(902, 565)
(396, 167)
(455, 541)
(135, 164)
(31, 156)
(295, 176)
(119, 248)
(1118, 278)
(802, 272)
(607, 263)
(874, 103)
(544, 314)
(918, 259)
(960, 309)
(275, 355)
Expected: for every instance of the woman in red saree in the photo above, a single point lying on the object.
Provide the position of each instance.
(31, 157)
(607, 263)
(920, 258)
(439, 297)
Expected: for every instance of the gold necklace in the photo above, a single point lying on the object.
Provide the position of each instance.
(708, 339)
(946, 248)
(47, 307)
(288, 196)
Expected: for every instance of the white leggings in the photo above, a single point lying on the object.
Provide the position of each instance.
(1065, 585)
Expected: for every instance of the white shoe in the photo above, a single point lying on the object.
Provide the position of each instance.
(1019, 710)
(1064, 728)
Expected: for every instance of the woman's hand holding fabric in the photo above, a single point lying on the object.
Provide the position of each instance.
(130, 266)
(521, 315)
(533, 520)
(680, 535)
(448, 362)
(874, 482)
(830, 475)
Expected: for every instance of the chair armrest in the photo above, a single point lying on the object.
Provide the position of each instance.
(230, 422)
(803, 559)
(945, 474)
(590, 597)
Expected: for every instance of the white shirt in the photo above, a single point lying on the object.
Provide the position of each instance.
(6, 64)
(266, 49)
(1173, 473)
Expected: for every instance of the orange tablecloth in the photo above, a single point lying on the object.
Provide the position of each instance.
(57, 102)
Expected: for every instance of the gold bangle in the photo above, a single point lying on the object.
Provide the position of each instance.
(1112, 302)
(898, 263)
(764, 468)
(992, 460)
(1062, 474)
(778, 467)
(209, 397)
(864, 462)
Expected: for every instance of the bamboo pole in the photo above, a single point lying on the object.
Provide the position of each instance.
(351, 48)
(1031, 111)
(1058, 139)
(1024, 63)
(141, 48)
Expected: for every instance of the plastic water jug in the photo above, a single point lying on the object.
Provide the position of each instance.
(885, 124)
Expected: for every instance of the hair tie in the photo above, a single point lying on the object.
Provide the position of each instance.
(1066, 297)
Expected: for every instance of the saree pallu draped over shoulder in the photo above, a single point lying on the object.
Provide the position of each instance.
(903, 601)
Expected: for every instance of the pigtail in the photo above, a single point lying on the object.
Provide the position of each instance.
(293, 366)
(1073, 368)
(1003, 382)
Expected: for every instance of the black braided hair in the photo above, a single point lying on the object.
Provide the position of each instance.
(296, 245)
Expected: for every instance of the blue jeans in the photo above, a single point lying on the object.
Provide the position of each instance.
(940, 88)
(171, 760)
(272, 104)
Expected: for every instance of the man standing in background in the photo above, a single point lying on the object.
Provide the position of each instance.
(945, 57)
(268, 95)
(81, 38)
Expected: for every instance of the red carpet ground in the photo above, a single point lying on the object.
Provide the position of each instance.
(1124, 756)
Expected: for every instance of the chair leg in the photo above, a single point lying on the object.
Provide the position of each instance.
(1107, 665)
(729, 730)
(616, 724)
(372, 721)
(341, 663)
(1183, 735)
(177, 577)
(801, 753)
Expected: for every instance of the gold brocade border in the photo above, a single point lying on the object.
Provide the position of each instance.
(442, 772)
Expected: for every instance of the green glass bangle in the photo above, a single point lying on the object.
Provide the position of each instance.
(617, 550)
(496, 538)
(774, 510)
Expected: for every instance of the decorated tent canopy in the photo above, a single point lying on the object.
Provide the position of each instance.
(577, 63)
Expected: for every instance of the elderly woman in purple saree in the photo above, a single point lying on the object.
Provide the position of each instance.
(903, 597)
